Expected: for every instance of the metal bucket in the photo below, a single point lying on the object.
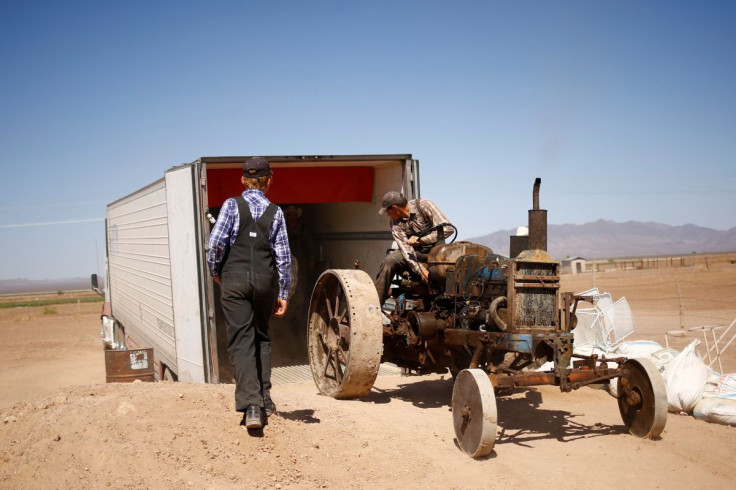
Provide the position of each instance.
(125, 366)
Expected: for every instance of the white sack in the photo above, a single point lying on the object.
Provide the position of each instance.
(637, 349)
(685, 377)
(663, 357)
(721, 410)
(613, 387)
(720, 384)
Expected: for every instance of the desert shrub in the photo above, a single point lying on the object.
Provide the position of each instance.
(48, 310)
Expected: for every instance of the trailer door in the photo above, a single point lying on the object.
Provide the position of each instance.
(411, 179)
(185, 273)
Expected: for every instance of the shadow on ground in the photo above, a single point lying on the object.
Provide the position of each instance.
(431, 393)
(304, 416)
(521, 421)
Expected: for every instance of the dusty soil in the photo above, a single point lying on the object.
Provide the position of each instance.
(63, 426)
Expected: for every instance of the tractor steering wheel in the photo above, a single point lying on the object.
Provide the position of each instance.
(438, 227)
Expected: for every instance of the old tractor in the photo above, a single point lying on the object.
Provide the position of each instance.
(491, 321)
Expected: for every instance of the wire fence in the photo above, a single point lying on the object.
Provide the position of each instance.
(668, 262)
(692, 296)
(675, 295)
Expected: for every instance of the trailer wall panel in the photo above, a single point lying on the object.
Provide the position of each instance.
(140, 269)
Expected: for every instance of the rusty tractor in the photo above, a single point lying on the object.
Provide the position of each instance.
(490, 320)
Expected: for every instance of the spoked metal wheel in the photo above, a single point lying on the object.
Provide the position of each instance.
(474, 412)
(642, 398)
(345, 333)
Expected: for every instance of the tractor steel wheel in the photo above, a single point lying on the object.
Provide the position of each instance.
(345, 333)
(474, 412)
(642, 398)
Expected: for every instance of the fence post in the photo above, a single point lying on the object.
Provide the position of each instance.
(679, 298)
(594, 274)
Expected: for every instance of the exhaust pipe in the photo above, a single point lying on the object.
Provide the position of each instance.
(537, 221)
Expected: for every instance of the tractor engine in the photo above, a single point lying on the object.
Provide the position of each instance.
(511, 305)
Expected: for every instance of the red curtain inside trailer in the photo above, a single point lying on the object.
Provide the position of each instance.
(299, 185)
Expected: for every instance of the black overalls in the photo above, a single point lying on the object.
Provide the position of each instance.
(249, 292)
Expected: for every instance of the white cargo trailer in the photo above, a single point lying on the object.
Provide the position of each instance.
(158, 291)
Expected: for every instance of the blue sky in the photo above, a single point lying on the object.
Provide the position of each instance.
(625, 109)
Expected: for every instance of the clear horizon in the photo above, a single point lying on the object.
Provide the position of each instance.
(484, 235)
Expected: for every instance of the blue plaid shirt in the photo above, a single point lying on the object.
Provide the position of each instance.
(226, 229)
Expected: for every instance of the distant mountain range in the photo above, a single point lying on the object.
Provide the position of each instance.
(601, 239)
(604, 239)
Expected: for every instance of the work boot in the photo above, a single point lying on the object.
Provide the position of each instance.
(270, 406)
(252, 418)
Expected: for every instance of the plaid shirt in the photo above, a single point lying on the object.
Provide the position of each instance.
(419, 220)
(225, 232)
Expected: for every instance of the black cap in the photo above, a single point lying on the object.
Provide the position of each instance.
(256, 167)
(391, 198)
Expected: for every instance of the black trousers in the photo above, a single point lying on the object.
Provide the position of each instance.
(392, 264)
(248, 301)
(395, 263)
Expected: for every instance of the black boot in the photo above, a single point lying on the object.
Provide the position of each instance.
(252, 418)
(270, 406)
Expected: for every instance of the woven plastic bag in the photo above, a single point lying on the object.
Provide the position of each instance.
(663, 357)
(684, 378)
(637, 349)
(720, 384)
(720, 409)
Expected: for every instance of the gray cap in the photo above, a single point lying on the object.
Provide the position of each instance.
(256, 167)
(391, 198)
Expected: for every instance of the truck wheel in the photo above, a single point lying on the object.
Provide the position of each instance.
(345, 333)
(474, 413)
(168, 374)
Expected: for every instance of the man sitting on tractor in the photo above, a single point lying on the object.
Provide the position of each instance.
(416, 226)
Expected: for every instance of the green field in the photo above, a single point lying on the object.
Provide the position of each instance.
(60, 300)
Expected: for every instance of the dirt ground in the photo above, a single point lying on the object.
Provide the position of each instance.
(64, 427)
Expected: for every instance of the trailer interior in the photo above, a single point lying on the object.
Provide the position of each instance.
(331, 207)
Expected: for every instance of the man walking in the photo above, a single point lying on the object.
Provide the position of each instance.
(249, 257)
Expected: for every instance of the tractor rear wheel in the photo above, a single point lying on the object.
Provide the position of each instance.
(345, 333)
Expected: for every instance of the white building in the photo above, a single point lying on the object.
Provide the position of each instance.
(573, 265)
